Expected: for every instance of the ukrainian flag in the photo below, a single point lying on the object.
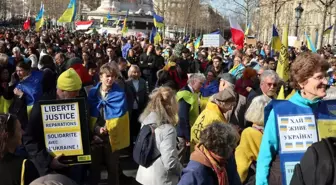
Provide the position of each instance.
(328, 30)
(288, 145)
(310, 44)
(284, 120)
(247, 29)
(125, 28)
(70, 12)
(283, 128)
(197, 43)
(299, 144)
(276, 42)
(115, 112)
(108, 17)
(311, 126)
(117, 22)
(39, 20)
(309, 143)
(158, 20)
(308, 119)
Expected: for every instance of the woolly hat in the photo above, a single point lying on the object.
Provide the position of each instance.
(69, 80)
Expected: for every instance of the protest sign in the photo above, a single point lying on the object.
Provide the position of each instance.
(212, 40)
(65, 125)
(253, 42)
(292, 41)
(297, 133)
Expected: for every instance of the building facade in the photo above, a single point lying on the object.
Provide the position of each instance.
(311, 21)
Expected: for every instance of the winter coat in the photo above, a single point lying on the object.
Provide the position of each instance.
(167, 168)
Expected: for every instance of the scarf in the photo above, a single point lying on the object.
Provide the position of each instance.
(208, 158)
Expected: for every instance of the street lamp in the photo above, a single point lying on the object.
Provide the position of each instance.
(298, 13)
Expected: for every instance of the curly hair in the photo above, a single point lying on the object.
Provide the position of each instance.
(249, 73)
(220, 138)
(255, 112)
(7, 130)
(163, 103)
(304, 67)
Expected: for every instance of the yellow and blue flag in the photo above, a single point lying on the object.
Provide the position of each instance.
(158, 20)
(155, 36)
(284, 120)
(311, 126)
(117, 22)
(115, 112)
(288, 145)
(197, 43)
(70, 13)
(283, 128)
(310, 44)
(328, 30)
(124, 30)
(108, 17)
(39, 20)
(283, 63)
(276, 42)
(247, 29)
(308, 119)
(299, 144)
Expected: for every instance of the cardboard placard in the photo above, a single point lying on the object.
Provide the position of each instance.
(65, 125)
(253, 42)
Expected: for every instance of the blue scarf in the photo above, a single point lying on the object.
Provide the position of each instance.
(114, 104)
(31, 87)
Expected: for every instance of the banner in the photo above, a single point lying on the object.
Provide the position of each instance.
(65, 125)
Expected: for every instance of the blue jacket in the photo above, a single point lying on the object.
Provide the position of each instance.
(269, 147)
(198, 174)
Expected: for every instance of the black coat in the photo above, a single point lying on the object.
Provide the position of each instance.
(142, 95)
(11, 167)
(33, 139)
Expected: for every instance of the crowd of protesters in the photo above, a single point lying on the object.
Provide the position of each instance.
(206, 105)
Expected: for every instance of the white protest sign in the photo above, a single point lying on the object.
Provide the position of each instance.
(296, 133)
(212, 40)
(62, 129)
(291, 41)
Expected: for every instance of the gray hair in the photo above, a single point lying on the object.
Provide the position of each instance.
(16, 49)
(196, 76)
(255, 112)
(133, 68)
(220, 138)
(269, 74)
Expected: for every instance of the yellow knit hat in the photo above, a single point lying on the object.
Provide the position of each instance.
(69, 80)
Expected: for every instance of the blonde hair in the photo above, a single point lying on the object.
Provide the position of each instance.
(3, 59)
(163, 103)
(255, 112)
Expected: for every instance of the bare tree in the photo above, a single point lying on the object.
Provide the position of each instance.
(324, 6)
(243, 8)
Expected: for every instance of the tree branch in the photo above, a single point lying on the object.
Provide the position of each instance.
(237, 12)
(239, 4)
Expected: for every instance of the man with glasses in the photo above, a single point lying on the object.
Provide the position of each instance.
(269, 81)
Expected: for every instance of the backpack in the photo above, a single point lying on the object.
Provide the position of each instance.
(317, 166)
(145, 151)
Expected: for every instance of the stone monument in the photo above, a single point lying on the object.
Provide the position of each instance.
(140, 17)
